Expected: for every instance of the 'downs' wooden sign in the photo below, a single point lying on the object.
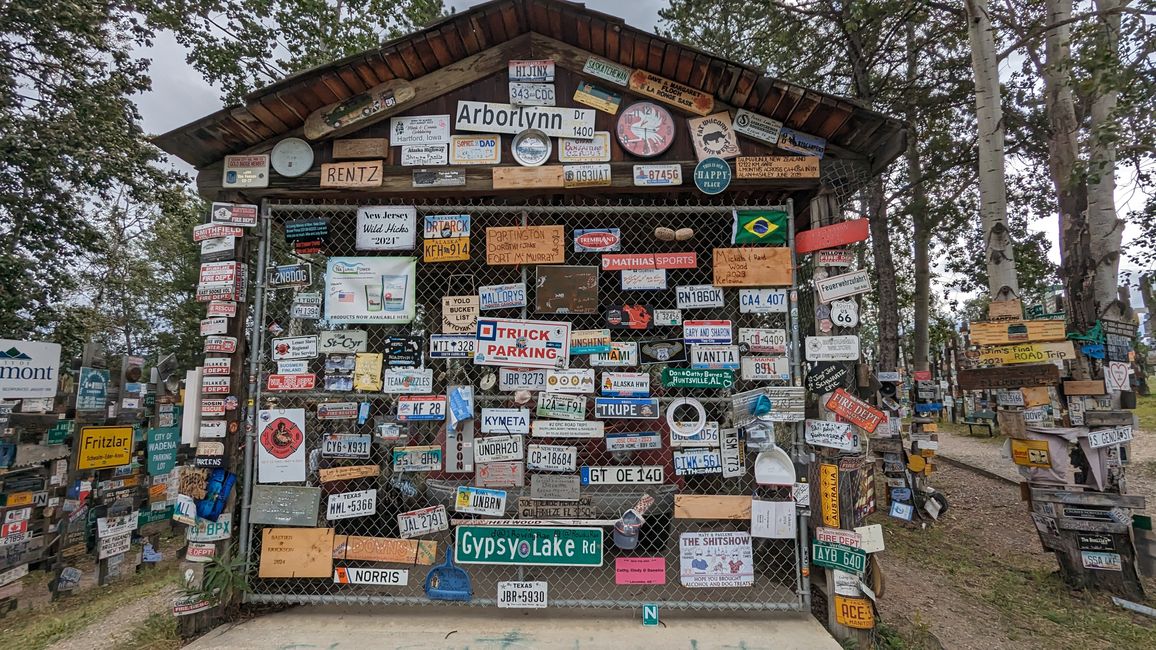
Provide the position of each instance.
(526, 245)
(1009, 377)
(1017, 331)
(384, 549)
(765, 266)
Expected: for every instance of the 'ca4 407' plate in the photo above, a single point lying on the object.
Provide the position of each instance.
(343, 445)
(522, 595)
(613, 475)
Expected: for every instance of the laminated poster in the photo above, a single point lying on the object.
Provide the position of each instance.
(281, 446)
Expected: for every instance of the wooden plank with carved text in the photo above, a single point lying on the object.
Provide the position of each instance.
(517, 178)
(712, 506)
(384, 549)
(366, 173)
(1009, 377)
(354, 148)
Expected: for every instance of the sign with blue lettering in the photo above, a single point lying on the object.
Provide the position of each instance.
(712, 175)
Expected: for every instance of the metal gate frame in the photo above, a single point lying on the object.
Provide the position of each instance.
(316, 591)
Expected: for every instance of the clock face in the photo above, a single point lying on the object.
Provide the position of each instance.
(645, 129)
(291, 157)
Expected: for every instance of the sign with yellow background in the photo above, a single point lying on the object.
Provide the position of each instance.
(829, 494)
(102, 447)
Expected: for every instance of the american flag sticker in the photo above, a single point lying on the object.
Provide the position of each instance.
(345, 296)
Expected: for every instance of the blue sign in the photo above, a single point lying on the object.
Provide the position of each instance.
(930, 407)
(1093, 350)
(712, 175)
(92, 389)
(650, 615)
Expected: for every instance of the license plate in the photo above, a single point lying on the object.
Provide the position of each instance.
(345, 446)
(635, 474)
(422, 522)
(697, 461)
(421, 408)
(531, 94)
(351, 504)
(448, 346)
(522, 595)
(480, 501)
(497, 448)
(417, 459)
(370, 576)
(763, 341)
(552, 458)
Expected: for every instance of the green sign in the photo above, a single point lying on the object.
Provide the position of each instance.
(838, 556)
(162, 449)
(650, 615)
(151, 516)
(528, 545)
(697, 378)
(59, 431)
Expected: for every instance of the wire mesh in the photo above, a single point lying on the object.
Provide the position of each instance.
(777, 583)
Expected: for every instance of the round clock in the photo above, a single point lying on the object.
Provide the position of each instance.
(291, 157)
(645, 130)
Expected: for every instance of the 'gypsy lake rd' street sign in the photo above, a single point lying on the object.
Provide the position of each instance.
(532, 546)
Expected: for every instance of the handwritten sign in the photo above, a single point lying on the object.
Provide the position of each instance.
(752, 267)
(386, 227)
(459, 314)
(673, 93)
(525, 245)
(999, 355)
(296, 553)
(776, 167)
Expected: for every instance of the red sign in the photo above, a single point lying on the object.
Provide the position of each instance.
(292, 382)
(650, 261)
(855, 410)
(14, 528)
(212, 406)
(225, 308)
(840, 234)
(223, 344)
(215, 230)
(921, 375)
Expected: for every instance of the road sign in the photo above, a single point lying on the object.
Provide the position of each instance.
(529, 545)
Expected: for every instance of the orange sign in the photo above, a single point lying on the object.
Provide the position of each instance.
(525, 245)
(855, 410)
(777, 167)
(764, 266)
(384, 549)
(673, 93)
(839, 234)
(854, 612)
(296, 553)
(829, 494)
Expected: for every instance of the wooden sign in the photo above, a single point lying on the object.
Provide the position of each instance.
(671, 92)
(765, 266)
(1013, 308)
(1109, 418)
(1086, 387)
(384, 549)
(1011, 423)
(712, 506)
(296, 553)
(353, 148)
(833, 236)
(1009, 377)
(359, 108)
(459, 314)
(1002, 355)
(526, 245)
(518, 178)
(713, 136)
(1020, 331)
(776, 167)
(347, 473)
(366, 173)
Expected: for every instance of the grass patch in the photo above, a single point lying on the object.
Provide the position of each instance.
(40, 627)
(1146, 409)
(157, 632)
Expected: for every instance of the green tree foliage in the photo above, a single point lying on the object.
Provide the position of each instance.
(241, 46)
(71, 142)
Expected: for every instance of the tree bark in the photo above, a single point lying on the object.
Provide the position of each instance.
(1105, 228)
(888, 296)
(1000, 257)
(921, 229)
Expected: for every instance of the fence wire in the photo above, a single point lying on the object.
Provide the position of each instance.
(778, 579)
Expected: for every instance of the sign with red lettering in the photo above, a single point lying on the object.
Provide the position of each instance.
(839, 234)
(650, 261)
(855, 410)
(522, 343)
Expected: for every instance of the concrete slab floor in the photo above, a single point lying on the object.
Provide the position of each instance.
(326, 627)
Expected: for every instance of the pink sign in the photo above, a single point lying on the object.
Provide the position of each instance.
(640, 571)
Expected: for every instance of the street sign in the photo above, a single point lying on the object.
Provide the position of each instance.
(529, 545)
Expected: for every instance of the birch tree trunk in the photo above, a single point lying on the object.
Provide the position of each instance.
(1000, 257)
(1105, 228)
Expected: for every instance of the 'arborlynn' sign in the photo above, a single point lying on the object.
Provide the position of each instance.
(507, 118)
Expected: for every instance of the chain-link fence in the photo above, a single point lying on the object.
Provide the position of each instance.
(778, 580)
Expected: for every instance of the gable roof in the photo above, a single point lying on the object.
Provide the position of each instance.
(281, 108)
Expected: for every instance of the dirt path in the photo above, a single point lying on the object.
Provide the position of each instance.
(110, 632)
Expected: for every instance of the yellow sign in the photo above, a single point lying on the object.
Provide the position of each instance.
(102, 447)
(19, 499)
(854, 612)
(1031, 453)
(829, 494)
(453, 249)
(367, 371)
(1002, 355)
(1006, 332)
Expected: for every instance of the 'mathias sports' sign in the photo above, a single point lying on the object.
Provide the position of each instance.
(556, 122)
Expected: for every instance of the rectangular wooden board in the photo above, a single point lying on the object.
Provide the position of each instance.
(525, 245)
(384, 549)
(777, 167)
(1036, 396)
(1005, 355)
(1108, 418)
(365, 173)
(1013, 309)
(1085, 387)
(352, 148)
(1009, 377)
(833, 236)
(765, 266)
(712, 506)
(519, 178)
(296, 553)
(1011, 423)
(348, 472)
(1016, 331)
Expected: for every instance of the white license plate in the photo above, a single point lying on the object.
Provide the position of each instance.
(345, 446)
(531, 94)
(697, 461)
(497, 448)
(351, 504)
(444, 346)
(633, 474)
(552, 458)
(421, 522)
(522, 595)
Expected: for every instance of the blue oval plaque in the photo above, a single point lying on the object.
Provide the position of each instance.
(712, 175)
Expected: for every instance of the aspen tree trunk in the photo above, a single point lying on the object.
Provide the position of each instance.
(921, 229)
(1001, 264)
(1105, 228)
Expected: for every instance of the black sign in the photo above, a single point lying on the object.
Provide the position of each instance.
(402, 352)
(292, 275)
(826, 376)
(661, 351)
(630, 317)
(1095, 542)
(306, 230)
(209, 461)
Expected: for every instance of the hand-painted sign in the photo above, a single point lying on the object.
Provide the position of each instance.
(1018, 331)
(522, 343)
(530, 545)
(423, 155)
(837, 435)
(476, 149)
(764, 266)
(525, 245)
(999, 355)
(855, 410)
(354, 174)
(678, 95)
(573, 150)
(777, 167)
(1045, 374)
(643, 279)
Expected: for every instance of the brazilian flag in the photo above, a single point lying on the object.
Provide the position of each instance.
(760, 227)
